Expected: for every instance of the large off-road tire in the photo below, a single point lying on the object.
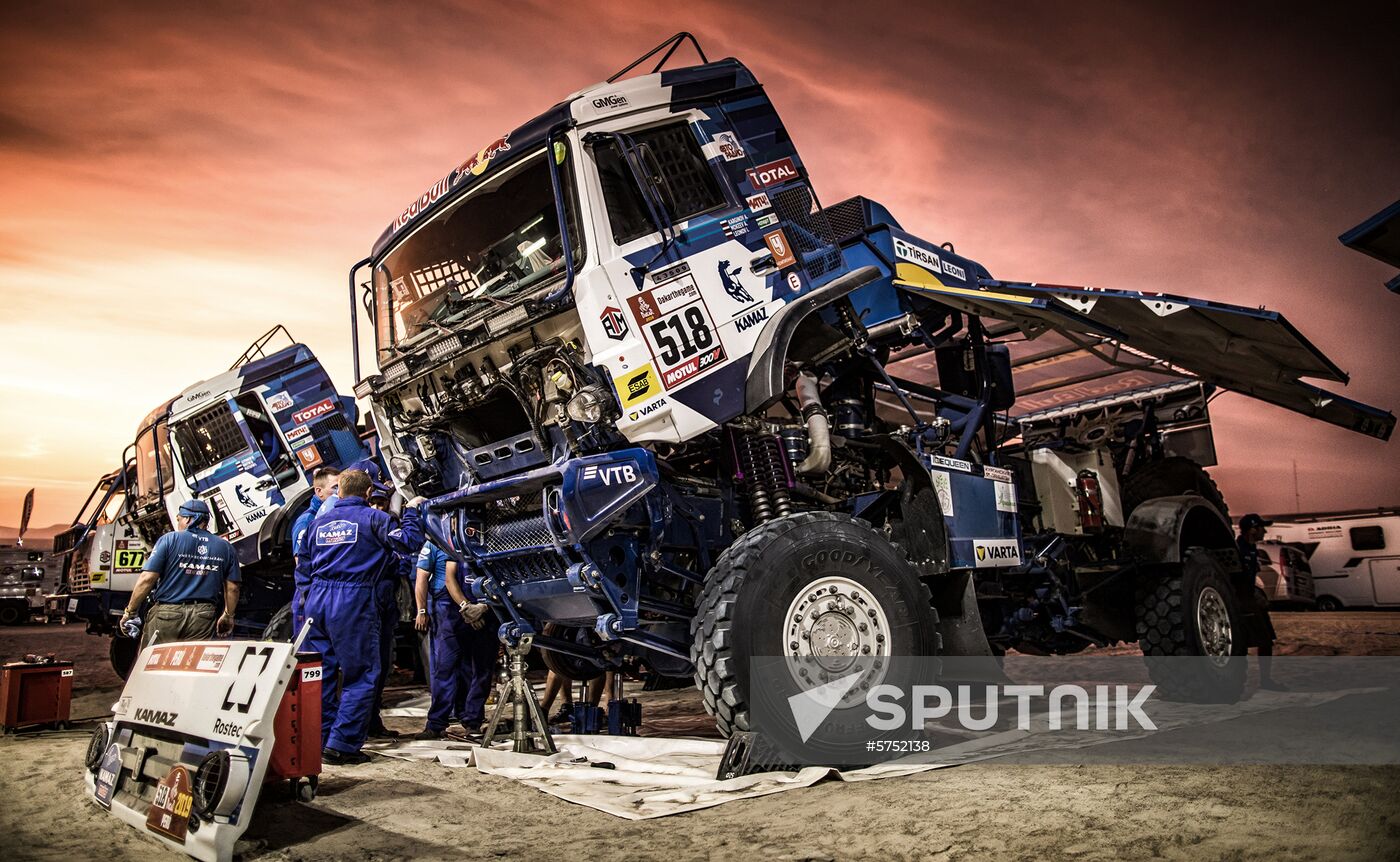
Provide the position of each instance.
(1171, 477)
(569, 667)
(12, 613)
(279, 628)
(745, 609)
(1193, 634)
(122, 652)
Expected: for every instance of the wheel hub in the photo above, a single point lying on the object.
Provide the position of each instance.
(835, 626)
(1213, 625)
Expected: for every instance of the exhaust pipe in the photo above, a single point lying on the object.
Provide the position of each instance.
(818, 427)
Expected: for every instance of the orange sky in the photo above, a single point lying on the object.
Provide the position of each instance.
(177, 178)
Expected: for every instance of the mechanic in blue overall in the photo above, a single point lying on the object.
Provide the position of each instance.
(352, 550)
(188, 570)
(388, 598)
(322, 486)
(464, 645)
(369, 465)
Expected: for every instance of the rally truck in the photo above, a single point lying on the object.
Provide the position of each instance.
(247, 442)
(665, 402)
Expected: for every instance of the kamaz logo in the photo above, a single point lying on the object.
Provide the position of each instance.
(619, 474)
(146, 715)
(753, 318)
(223, 728)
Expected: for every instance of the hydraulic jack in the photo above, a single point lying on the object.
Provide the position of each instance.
(529, 731)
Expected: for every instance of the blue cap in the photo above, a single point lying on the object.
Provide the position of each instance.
(370, 466)
(194, 509)
(378, 489)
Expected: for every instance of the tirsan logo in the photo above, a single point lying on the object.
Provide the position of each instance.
(611, 102)
(772, 173)
(753, 318)
(996, 552)
(146, 715)
(618, 473)
(917, 254)
(223, 728)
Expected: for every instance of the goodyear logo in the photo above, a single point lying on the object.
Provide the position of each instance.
(637, 385)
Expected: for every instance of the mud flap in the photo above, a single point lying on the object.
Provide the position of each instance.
(960, 626)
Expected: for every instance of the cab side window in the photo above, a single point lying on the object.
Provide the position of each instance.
(692, 184)
(1367, 539)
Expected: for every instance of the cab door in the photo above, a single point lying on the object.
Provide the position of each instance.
(689, 280)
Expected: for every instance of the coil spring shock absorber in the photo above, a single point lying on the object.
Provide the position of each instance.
(767, 475)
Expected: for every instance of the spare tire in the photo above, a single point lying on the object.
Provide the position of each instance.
(1171, 477)
(569, 667)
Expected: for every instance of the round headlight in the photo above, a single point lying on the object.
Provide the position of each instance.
(219, 783)
(589, 405)
(401, 467)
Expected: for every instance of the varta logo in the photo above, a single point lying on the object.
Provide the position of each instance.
(618, 473)
(753, 318)
(145, 715)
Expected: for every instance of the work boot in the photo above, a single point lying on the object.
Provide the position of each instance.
(428, 733)
(563, 715)
(381, 732)
(343, 758)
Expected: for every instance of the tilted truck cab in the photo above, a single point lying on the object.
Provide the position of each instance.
(661, 398)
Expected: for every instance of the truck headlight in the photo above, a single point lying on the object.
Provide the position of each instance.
(589, 405)
(219, 783)
(97, 747)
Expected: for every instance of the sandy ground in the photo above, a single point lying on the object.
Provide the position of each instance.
(398, 810)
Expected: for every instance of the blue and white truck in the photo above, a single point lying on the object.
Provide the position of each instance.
(247, 442)
(665, 400)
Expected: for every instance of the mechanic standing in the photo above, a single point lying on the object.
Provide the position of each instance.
(388, 598)
(464, 645)
(1261, 626)
(188, 569)
(352, 550)
(322, 486)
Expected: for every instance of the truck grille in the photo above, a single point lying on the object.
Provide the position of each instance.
(515, 534)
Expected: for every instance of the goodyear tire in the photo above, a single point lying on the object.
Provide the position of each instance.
(122, 652)
(1169, 478)
(749, 597)
(1193, 634)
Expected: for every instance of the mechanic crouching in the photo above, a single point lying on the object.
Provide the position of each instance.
(353, 549)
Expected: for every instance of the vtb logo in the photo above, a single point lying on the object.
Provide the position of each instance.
(615, 474)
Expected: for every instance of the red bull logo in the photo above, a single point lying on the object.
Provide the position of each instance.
(477, 164)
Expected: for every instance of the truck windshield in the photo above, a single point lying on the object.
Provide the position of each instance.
(151, 446)
(485, 251)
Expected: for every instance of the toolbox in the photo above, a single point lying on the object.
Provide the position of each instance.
(37, 691)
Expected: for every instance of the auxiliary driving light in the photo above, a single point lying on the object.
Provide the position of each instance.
(219, 783)
(97, 747)
(588, 405)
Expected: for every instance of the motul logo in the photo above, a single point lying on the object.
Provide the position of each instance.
(772, 173)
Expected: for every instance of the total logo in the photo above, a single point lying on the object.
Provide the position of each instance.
(616, 474)
(772, 173)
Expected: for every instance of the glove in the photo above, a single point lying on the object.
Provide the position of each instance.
(472, 614)
(416, 502)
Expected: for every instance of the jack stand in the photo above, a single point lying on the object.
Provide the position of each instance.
(624, 717)
(528, 738)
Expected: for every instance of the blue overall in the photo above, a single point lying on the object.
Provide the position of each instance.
(388, 599)
(301, 552)
(352, 552)
(463, 659)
